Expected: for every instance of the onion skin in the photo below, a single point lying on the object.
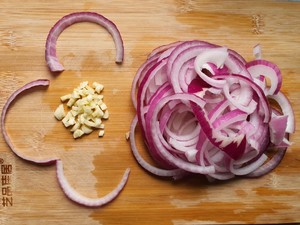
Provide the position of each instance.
(66, 21)
(190, 86)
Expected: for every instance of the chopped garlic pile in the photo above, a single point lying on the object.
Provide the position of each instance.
(87, 110)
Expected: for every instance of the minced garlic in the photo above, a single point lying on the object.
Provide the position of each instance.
(87, 110)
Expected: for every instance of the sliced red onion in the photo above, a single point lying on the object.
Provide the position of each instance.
(258, 68)
(36, 83)
(68, 190)
(249, 108)
(203, 109)
(160, 147)
(248, 168)
(181, 48)
(231, 117)
(163, 48)
(287, 110)
(183, 57)
(155, 56)
(263, 103)
(257, 52)
(277, 127)
(214, 69)
(152, 169)
(142, 71)
(216, 56)
(68, 20)
(270, 165)
(72, 194)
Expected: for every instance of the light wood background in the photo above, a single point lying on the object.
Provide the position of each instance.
(95, 165)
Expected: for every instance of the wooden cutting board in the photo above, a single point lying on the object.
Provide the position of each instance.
(95, 165)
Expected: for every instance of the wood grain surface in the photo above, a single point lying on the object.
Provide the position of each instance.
(95, 165)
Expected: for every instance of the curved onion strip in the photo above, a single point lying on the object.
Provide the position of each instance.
(218, 110)
(228, 118)
(234, 147)
(270, 165)
(163, 48)
(220, 176)
(142, 71)
(179, 62)
(149, 79)
(217, 56)
(186, 76)
(155, 135)
(36, 83)
(249, 168)
(263, 99)
(248, 108)
(286, 108)
(265, 68)
(152, 169)
(216, 158)
(189, 139)
(164, 91)
(153, 58)
(182, 47)
(77, 17)
(72, 194)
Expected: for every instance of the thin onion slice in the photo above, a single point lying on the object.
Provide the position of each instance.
(72, 194)
(36, 83)
(147, 166)
(258, 68)
(287, 110)
(68, 20)
(270, 165)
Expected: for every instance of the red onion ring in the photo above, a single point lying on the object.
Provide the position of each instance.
(204, 109)
(68, 20)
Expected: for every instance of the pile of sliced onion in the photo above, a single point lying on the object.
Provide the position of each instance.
(204, 109)
(55, 66)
